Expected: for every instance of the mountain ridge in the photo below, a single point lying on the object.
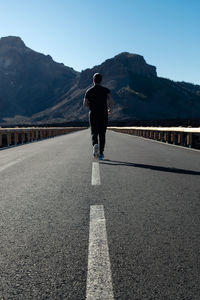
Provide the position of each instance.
(35, 89)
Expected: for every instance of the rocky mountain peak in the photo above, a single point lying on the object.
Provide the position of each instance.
(11, 42)
(133, 63)
(12, 51)
(124, 55)
(29, 81)
(118, 69)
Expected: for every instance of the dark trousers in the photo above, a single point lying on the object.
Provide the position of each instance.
(98, 125)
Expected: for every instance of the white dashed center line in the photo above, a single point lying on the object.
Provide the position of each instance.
(99, 280)
(95, 174)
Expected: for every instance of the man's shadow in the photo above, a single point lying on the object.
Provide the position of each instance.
(151, 167)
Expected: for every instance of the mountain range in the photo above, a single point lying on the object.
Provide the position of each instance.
(34, 89)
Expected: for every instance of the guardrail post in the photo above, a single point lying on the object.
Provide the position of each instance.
(175, 138)
(161, 136)
(184, 138)
(29, 136)
(172, 137)
(32, 135)
(9, 138)
(0, 139)
(36, 134)
(16, 136)
(164, 136)
(180, 138)
(149, 134)
(189, 139)
(167, 137)
(156, 135)
(23, 137)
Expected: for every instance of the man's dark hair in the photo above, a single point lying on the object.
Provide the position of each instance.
(97, 78)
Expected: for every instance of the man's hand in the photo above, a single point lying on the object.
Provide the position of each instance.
(110, 104)
(85, 102)
(109, 111)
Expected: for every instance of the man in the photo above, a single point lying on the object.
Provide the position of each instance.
(96, 99)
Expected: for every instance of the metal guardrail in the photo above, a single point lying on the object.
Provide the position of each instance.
(184, 136)
(15, 136)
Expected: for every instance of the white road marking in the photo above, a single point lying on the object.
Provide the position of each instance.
(99, 279)
(10, 164)
(95, 174)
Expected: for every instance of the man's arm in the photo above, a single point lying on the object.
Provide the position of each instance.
(110, 103)
(85, 102)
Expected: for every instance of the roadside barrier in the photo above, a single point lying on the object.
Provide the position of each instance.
(15, 136)
(184, 136)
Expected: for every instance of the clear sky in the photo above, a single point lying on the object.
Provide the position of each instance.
(84, 33)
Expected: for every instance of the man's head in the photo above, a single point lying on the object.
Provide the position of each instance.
(97, 78)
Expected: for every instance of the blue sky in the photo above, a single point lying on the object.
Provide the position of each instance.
(84, 33)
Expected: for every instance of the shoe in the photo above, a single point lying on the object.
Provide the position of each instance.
(101, 156)
(96, 150)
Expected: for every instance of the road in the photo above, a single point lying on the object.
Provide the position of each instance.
(130, 229)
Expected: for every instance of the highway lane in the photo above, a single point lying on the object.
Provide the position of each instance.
(154, 205)
(44, 221)
(150, 193)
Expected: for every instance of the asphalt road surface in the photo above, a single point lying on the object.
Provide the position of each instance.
(127, 227)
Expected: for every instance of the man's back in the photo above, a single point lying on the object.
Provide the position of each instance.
(97, 99)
